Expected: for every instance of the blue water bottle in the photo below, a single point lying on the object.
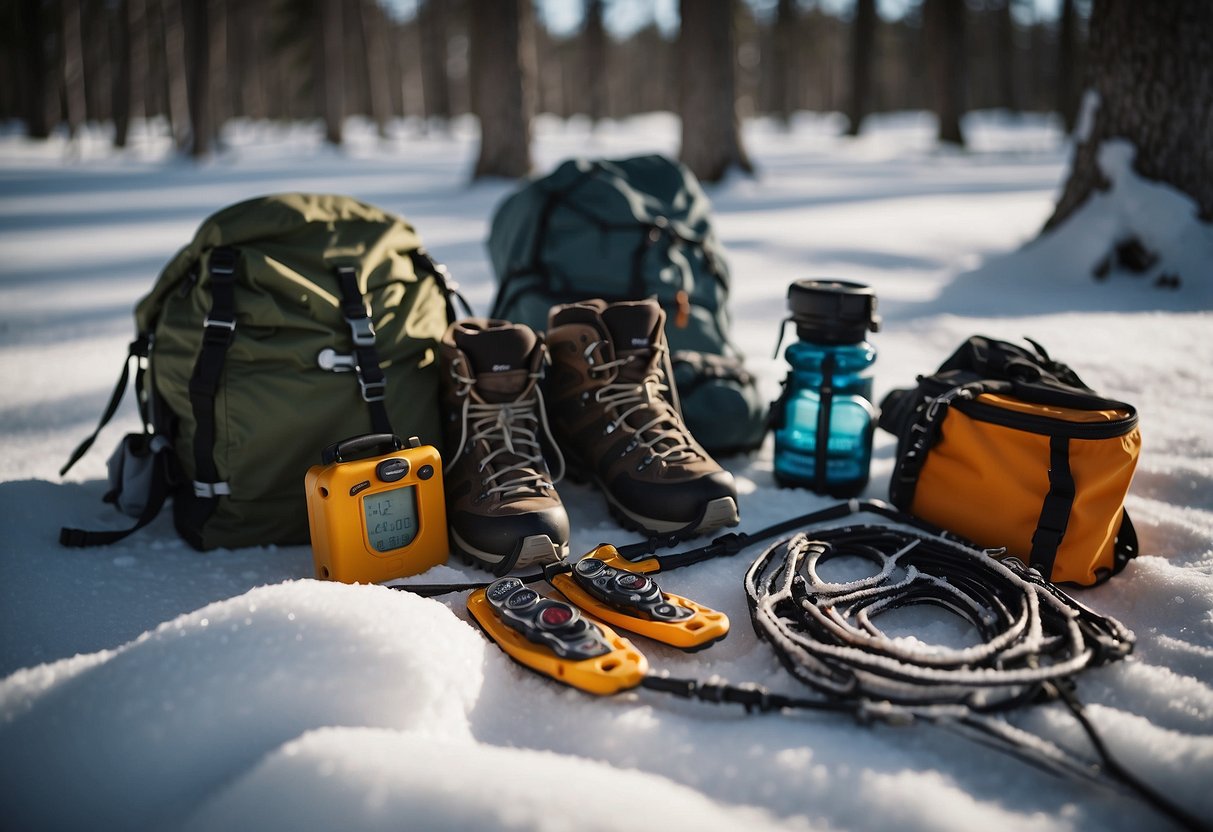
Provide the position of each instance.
(828, 392)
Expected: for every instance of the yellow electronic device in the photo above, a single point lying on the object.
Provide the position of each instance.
(376, 509)
(612, 589)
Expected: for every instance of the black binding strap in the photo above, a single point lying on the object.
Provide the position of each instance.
(157, 493)
(362, 331)
(137, 351)
(1055, 510)
(219, 329)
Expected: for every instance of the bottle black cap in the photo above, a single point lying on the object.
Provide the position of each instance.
(832, 311)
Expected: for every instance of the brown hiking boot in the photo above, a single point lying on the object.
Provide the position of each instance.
(502, 506)
(614, 417)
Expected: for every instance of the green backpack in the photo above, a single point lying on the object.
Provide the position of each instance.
(289, 323)
(627, 230)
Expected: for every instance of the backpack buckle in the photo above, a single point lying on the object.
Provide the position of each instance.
(372, 391)
(362, 330)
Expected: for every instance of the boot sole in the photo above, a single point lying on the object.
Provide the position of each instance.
(716, 514)
(536, 548)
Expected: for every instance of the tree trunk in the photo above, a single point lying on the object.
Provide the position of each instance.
(595, 61)
(435, 87)
(175, 69)
(711, 136)
(783, 63)
(863, 42)
(1151, 64)
(198, 75)
(1068, 90)
(944, 21)
(330, 78)
(73, 66)
(33, 47)
(1004, 57)
(130, 77)
(502, 85)
(220, 107)
(373, 28)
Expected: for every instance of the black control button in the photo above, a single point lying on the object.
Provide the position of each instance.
(425, 472)
(589, 567)
(362, 486)
(392, 470)
(522, 599)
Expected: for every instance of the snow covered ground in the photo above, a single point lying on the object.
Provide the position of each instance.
(149, 686)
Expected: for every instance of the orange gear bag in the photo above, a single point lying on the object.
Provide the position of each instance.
(1012, 451)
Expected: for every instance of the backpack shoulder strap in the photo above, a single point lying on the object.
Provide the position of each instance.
(138, 351)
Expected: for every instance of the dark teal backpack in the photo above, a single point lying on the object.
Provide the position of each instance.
(626, 230)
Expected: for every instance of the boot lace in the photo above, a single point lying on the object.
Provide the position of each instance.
(512, 432)
(663, 436)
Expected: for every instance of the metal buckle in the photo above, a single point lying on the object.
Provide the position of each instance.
(222, 262)
(210, 490)
(372, 391)
(362, 330)
(211, 323)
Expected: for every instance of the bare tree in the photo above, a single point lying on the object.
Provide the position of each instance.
(175, 69)
(502, 85)
(436, 90)
(330, 68)
(944, 21)
(594, 54)
(130, 86)
(863, 43)
(1004, 55)
(72, 48)
(783, 63)
(711, 136)
(372, 35)
(1067, 65)
(198, 75)
(1151, 65)
(36, 109)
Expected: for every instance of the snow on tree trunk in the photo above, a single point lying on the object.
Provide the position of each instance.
(503, 80)
(1151, 66)
(711, 137)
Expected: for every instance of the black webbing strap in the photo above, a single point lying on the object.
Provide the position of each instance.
(157, 493)
(218, 330)
(137, 351)
(362, 331)
(1055, 510)
(824, 407)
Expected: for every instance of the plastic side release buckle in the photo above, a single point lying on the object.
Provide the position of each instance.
(362, 330)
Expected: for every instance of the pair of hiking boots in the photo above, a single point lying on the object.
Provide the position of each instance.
(608, 413)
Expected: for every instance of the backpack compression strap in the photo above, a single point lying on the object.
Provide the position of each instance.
(138, 351)
(370, 375)
(157, 493)
(219, 329)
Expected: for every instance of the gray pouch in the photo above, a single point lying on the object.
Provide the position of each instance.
(131, 470)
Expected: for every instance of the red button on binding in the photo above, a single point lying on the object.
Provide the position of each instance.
(556, 616)
(632, 581)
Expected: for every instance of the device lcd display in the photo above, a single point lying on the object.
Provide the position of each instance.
(391, 518)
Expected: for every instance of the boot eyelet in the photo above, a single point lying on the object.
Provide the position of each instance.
(608, 430)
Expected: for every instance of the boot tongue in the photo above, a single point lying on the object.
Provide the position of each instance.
(500, 359)
(633, 328)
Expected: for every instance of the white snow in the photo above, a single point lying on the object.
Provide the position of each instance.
(150, 686)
